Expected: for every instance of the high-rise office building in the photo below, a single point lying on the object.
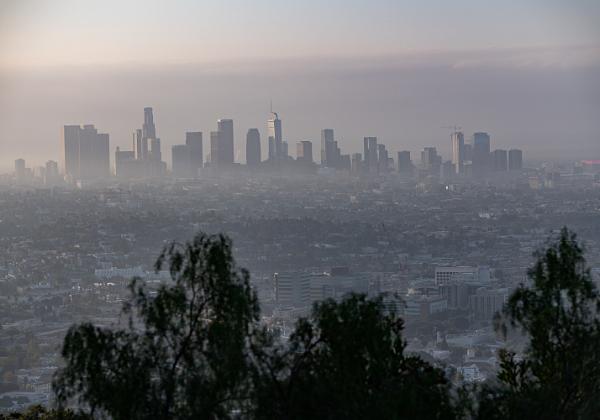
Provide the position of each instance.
(275, 136)
(226, 142)
(404, 163)
(371, 154)
(431, 162)
(182, 161)
(126, 164)
(148, 128)
(499, 160)
(51, 175)
(382, 158)
(481, 154)
(145, 158)
(71, 147)
(86, 153)
(304, 151)
(515, 160)
(284, 150)
(328, 147)
(155, 153)
(140, 145)
(272, 155)
(253, 156)
(20, 170)
(467, 153)
(356, 166)
(193, 140)
(458, 152)
(214, 148)
(150, 144)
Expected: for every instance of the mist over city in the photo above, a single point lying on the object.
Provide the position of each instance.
(279, 210)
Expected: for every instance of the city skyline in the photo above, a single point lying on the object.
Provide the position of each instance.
(86, 157)
(146, 146)
(411, 73)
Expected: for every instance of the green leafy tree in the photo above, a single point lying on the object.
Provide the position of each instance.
(347, 361)
(183, 353)
(558, 376)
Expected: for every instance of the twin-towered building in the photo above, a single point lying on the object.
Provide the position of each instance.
(86, 153)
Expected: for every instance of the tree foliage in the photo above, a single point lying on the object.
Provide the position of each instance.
(558, 376)
(184, 351)
(37, 412)
(194, 348)
(347, 361)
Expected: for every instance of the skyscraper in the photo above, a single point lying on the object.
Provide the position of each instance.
(382, 158)
(515, 160)
(500, 160)
(304, 151)
(140, 145)
(155, 153)
(20, 170)
(51, 176)
(148, 128)
(431, 162)
(145, 158)
(193, 140)
(371, 154)
(458, 152)
(253, 156)
(126, 164)
(214, 148)
(272, 155)
(327, 147)
(275, 136)
(404, 163)
(226, 143)
(150, 144)
(481, 153)
(356, 164)
(284, 150)
(86, 152)
(71, 146)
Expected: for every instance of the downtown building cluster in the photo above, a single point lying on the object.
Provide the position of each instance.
(87, 156)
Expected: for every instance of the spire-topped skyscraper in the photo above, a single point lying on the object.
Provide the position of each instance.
(148, 129)
(147, 156)
(275, 136)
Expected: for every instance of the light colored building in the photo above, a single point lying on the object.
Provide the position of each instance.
(86, 152)
(458, 151)
(444, 275)
(292, 289)
(274, 133)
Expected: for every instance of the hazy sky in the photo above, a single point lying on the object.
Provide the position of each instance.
(526, 71)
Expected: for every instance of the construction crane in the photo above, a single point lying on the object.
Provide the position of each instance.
(453, 127)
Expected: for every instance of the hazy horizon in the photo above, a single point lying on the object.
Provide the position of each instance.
(395, 71)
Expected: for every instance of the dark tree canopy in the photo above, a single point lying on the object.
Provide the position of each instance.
(37, 412)
(347, 361)
(559, 374)
(194, 348)
(184, 352)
